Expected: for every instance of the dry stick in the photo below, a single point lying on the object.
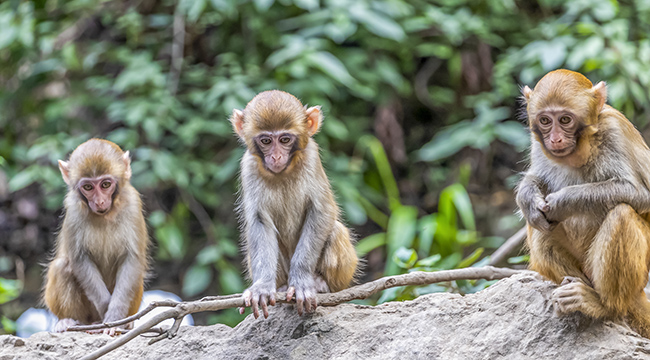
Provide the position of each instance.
(178, 44)
(508, 246)
(362, 291)
(139, 314)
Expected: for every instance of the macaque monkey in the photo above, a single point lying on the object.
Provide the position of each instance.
(100, 260)
(291, 233)
(586, 200)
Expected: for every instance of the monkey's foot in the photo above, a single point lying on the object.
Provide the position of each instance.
(573, 295)
(321, 285)
(63, 325)
(305, 290)
(259, 294)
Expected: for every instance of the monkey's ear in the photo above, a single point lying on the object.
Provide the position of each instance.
(526, 91)
(314, 119)
(237, 121)
(127, 162)
(600, 90)
(65, 171)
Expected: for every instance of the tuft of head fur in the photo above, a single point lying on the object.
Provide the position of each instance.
(96, 157)
(275, 110)
(569, 90)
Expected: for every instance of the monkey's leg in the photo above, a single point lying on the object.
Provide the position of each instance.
(550, 259)
(617, 264)
(65, 298)
(338, 263)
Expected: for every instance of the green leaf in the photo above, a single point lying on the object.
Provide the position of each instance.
(370, 243)
(519, 259)
(390, 294)
(263, 5)
(22, 180)
(171, 240)
(331, 66)
(377, 23)
(469, 260)
(9, 289)
(230, 280)
(208, 255)
(462, 203)
(196, 280)
(405, 258)
(429, 261)
(400, 233)
(426, 229)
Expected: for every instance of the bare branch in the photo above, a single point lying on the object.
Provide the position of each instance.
(178, 44)
(362, 291)
(422, 79)
(508, 246)
(139, 314)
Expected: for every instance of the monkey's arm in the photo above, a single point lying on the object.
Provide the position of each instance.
(262, 258)
(597, 198)
(92, 283)
(127, 281)
(318, 225)
(530, 200)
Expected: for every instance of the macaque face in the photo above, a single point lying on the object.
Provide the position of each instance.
(98, 192)
(276, 148)
(559, 131)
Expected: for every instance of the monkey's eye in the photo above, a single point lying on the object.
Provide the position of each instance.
(87, 187)
(106, 184)
(285, 139)
(265, 141)
(544, 120)
(565, 120)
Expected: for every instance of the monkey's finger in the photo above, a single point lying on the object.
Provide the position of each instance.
(242, 310)
(310, 304)
(256, 311)
(247, 295)
(265, 309)
(272, 300)
(542, 205)
(290, 292)
(300, 304)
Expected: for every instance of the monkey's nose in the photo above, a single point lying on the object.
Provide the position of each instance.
(276, 158)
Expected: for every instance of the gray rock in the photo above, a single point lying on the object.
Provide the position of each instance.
(513, 319)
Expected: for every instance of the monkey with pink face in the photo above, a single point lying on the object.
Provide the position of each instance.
(291, 233)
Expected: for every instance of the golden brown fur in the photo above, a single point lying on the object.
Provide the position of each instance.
(291, 233)
(587, 212)
(98, 258)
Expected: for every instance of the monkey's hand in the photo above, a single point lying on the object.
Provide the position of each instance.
(555, 208)
(305, 291)
(534, 215)
(259, 294)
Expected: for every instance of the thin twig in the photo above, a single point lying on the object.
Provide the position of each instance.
(201, 215)
(139, 314)
(362, 291)
(508, 246)
(178, 44)
(422, 79)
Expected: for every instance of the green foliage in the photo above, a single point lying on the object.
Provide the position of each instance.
(9, 290)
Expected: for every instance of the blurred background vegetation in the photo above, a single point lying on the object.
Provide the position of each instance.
(423, 138)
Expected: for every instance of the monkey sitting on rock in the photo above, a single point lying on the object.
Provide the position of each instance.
(291, 233)
(586, 200)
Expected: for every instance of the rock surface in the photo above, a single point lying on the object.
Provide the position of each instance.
(513, 319)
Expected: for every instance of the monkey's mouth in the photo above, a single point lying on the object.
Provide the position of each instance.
(101, 211)
(276, 167)
(562, 152)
